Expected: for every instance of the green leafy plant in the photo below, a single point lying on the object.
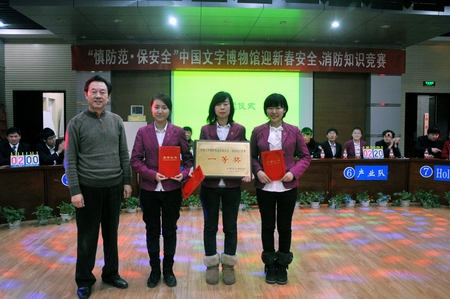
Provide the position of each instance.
(447, 196)
(11, 214)
(131, 203)
(193, 200)
(364, 197)
(404, 195)
(311, 196)
(337, 200)
(247, 201)
(43, 213)
(383, 197)
(66, 208)
(427, 198)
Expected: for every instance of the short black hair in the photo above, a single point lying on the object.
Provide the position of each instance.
(388, 131)
(433, 130)
(332, 130)
(186, 128)
(47, 132)
(13, 130)
(97, 78)
(275, 100)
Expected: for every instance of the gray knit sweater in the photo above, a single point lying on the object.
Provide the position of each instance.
(96, 153)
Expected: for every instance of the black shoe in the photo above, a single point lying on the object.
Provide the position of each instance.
(84, 292)
(154, 278)
(169, 278)
(271, 273)
(282, 275)
(119, 283)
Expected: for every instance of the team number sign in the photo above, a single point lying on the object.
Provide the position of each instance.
(24, 160)
(373, 153)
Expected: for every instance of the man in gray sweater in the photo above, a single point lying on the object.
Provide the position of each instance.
(99, 176)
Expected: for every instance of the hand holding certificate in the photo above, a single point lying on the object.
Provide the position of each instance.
(273, 164)
(169, 160)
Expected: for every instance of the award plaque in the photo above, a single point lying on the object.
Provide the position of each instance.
(223, 159)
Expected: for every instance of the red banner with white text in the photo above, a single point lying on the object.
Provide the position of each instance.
(248, 58)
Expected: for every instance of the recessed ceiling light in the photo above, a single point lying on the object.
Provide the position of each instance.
(335, 24)
(172, 21)
(117, 21)
(386, 26)
(356, 41)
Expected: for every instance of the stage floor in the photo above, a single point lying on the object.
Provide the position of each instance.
(365, 253)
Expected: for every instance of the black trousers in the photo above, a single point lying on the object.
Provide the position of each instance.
(211, 198)
(161, 211)
(276, 208)
(102, 209)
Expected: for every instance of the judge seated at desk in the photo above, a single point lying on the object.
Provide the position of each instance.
(12, 146)
(50, 150)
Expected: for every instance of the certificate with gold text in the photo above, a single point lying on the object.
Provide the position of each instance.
(223, 159)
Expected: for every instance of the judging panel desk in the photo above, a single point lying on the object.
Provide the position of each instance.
(30, 187)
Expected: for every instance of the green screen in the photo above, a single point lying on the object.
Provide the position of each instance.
(192, 92)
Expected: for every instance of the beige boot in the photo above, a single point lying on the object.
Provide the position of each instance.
(212, 268)
(228, 262)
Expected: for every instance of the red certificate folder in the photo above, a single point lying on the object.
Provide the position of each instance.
(169, 160)
(273, 164)
(192, 182)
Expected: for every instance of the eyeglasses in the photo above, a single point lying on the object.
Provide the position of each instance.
(51, 137)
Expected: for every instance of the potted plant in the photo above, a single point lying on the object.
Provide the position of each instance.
(312, 198)
(66, 210)
(427, 198)
(336, 201)
(447, 196)
(43, 214)
(349, 202)
(404, 199)
(383, 199)
(13, 216)
(247, 201)
(130, 204)
(193, 201)
(364, 198)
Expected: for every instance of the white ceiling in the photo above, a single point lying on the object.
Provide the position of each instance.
(81, 22)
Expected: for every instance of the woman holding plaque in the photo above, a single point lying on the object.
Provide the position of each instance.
(221, 127)
(274, 145)
(160, 190)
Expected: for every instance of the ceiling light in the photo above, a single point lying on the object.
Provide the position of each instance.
(386, 26)
(172, 21)
(117, 21)
(335, 24)
(2, 25)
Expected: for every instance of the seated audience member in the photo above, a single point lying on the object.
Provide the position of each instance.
(313, 146)
(331, 148)
(188, 134)
(389, 142)
(446, 148)
(13, 145)
(355, 145)
(50, 150)
(431, 142)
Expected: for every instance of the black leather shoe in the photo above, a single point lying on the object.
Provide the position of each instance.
(84, 292)
(169, 278)
(117, 282)
(154, 278)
